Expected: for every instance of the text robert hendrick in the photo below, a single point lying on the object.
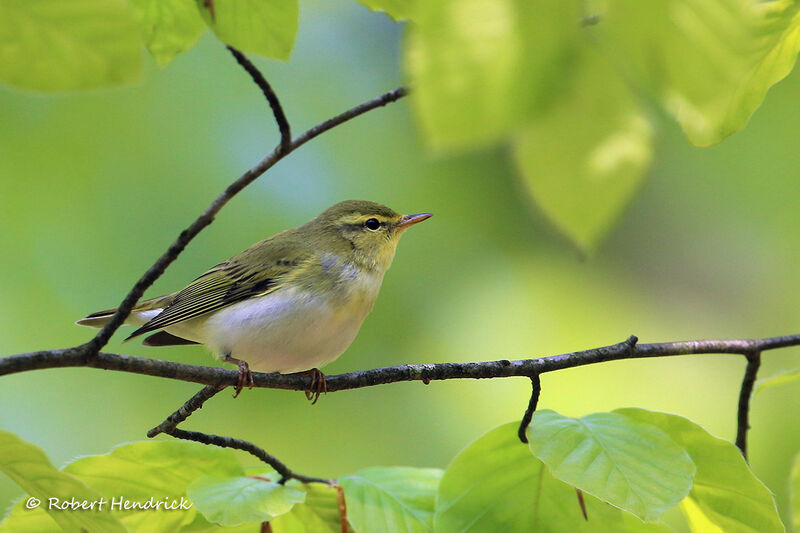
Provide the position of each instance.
(120, 504)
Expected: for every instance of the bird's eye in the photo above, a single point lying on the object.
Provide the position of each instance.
(372, 224)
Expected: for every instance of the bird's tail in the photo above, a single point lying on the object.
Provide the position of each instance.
(99, 318)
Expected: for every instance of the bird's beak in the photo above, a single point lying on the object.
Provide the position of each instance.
(410, 220)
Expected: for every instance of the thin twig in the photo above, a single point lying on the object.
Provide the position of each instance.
(272, 98)
(536, 388)
(93, 347)
(341, 504)
(743, 413)
(227, 442)
(382, 100)
(185, 411)
(170, 427)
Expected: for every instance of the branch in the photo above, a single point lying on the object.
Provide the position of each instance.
(536, 388)
(216, 379)
(743, 413)
(222, 377)
(169, 426)
(252, 449)
(272, 98)
(94, 346)
(185, 411)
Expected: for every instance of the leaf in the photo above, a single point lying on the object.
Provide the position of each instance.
(318, 514)
(495, 484)
(397, 9)
(263, 27)
(708, 62)
(584, 158)
(725, 490)
(201, 525)
(482, 68)
(58, 45)
(28, 466)
(169, 27)
(697, 520)
(22, 520)
(630, 464)
(239, 500)
(139, 471)
(391, 499)
(794, 493)
(157, 469)
(154, 468)
(782, 378)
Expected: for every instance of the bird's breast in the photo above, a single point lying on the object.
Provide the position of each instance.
(292, 329)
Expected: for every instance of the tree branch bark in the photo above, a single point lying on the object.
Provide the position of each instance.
(170, 427)
(745, 393)
(216, 379)
(536, 389)
(272, 98)
(504, 368)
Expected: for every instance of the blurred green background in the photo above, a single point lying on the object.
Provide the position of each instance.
(95, 185)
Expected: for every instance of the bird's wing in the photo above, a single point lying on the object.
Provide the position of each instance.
(257, 271)
(162, 338)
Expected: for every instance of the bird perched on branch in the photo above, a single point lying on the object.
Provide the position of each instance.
(290, 304)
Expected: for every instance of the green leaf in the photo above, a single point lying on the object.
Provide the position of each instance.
(584, 157)
(28, 466)
(397, 9)
(157, 469)
(59, 45)
(782, 378)
(154, 468)
(725, 490)
(169, 27)
(483, 68)
(794, 493)
(708, 62)
(630, 464)
(201, 525)
(144, 470)
(22, 520)
(318, 514)
(263, 27)
(391, 499)
(239, 500)
(495, 484)
(697, 519)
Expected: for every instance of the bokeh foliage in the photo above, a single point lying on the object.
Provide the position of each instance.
(707, 249)
(483, 71)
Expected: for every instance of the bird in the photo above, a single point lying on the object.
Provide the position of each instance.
(289, 304)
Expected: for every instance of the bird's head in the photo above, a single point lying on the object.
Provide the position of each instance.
(366, 232)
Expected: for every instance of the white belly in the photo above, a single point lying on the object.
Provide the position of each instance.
(286, 331)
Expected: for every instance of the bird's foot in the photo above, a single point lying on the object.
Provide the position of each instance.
(317, 386)
(245, 375)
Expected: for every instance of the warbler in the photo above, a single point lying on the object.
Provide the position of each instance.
(290, 304)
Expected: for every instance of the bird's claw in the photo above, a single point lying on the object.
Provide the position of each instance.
(317, 386)
(245, 377)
